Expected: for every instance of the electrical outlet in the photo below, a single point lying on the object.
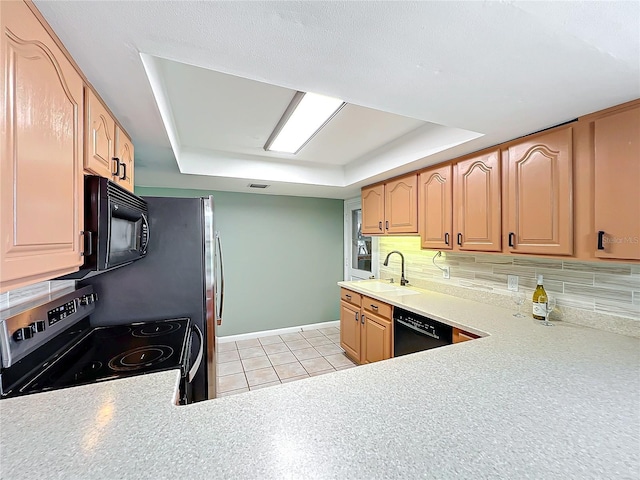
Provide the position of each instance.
(512, 283)
(446, 273)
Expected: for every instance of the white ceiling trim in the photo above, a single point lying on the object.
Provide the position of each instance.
(159, 94)
(411, 147)
(234, 165)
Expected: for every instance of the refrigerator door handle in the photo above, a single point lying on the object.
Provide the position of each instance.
(221, 305)
(196, 365)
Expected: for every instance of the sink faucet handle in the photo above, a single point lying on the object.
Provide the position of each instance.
(391, 280)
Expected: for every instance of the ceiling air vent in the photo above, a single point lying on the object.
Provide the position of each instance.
(258, 185)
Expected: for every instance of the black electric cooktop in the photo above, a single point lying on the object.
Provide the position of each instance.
(104, 353)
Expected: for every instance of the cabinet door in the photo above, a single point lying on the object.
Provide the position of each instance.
(350, 330)
(99, 143)
(41, 147)
(434, 207)
(617, 185)
(540, 194)
(401, 205)
(124, 154)
(376, 344)
(373, 210)
(478, 217)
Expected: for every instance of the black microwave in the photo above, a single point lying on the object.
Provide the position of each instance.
(116, 225)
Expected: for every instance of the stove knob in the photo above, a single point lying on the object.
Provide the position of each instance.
(38, 326)
(22, 334)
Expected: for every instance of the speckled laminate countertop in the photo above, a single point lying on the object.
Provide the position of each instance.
(526, 401)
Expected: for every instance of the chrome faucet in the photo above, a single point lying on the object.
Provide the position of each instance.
(403, 281)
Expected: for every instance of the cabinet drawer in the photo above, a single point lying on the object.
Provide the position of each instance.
(350, 296)
(376, 306)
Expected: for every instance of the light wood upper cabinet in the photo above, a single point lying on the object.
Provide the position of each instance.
(617, 185)
(41, 165)
(373, 210)
(391, 208)
(124, 154)
(100, 141)
(350, 330)
(401, 205)
(435, 223)
(108, 149)
(376, 343)
(477, 213)
(538, 194)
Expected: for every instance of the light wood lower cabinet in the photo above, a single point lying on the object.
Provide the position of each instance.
(376, 342)
(366, 329)
(350, 330)
(462, 336)
(41, 167)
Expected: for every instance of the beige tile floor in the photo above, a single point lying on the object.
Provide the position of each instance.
(263, 362)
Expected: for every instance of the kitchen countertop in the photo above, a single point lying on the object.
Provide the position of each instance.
(525, 401)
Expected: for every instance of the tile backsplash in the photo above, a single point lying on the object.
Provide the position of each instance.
(25, 295)
(594, 294)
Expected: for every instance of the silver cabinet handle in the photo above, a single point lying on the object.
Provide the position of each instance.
(347, 296)
(374, 307)
(357, 316)
(362, 318)
(196, 365)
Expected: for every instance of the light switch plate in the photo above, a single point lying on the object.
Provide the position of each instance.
(446, 273)
(512, 283)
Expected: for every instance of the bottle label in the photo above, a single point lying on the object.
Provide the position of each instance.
(540, 309)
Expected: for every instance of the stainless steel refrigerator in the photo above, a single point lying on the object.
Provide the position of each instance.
(181, 276)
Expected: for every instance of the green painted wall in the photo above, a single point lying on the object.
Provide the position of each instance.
(282, 258)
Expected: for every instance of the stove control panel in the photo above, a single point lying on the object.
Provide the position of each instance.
(63, 311)
(23, 332)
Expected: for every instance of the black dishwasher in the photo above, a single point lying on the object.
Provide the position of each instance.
(415, 333)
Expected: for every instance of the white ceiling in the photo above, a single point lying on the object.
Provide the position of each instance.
(420, 77)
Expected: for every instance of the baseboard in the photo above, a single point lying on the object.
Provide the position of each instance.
(277, 331)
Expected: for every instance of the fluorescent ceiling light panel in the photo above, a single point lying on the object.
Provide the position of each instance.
(306, 115)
